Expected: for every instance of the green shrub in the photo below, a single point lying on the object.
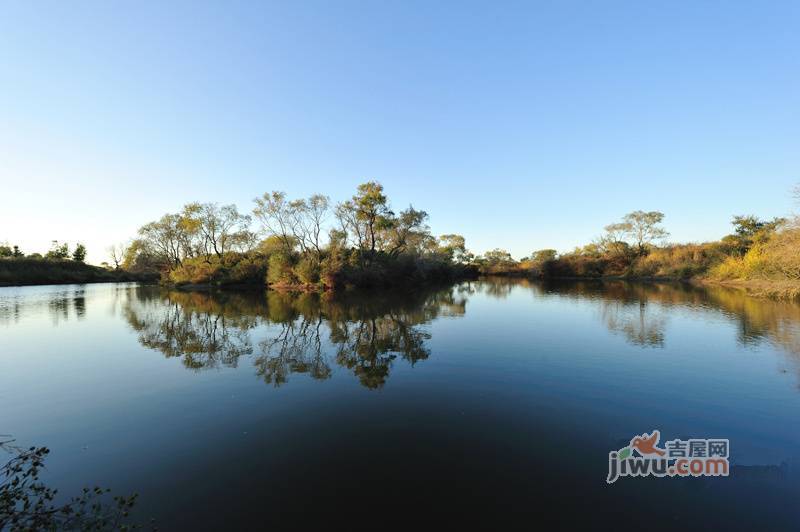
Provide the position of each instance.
(279, 271)
(307, 271)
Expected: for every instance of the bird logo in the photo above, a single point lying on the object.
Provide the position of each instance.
(646, 444)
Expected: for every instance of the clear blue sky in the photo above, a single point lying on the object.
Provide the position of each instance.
(520, 125)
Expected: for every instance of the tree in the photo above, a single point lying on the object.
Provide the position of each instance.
(277, 217)
(371, 209)
(639, 227)
(407, 232)
(167, 238)
(350, 226)
(117, 254)
(749, 226)
(748, 230)
(79, 254)
(544, 255)
(140, 256)
(614, 240)
(454, 247)
(498, 257)
(5, 251)
(57, 251)
(17, 253)
(219, 228)
(746, 225)
(309, 217)
(644, 228)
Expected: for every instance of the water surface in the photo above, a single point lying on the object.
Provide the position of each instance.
(496, 400)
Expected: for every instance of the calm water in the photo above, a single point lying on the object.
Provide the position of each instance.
(493, 400)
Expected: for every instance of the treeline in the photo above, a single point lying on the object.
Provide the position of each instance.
(59, 265)
(58, 252)
(763, 254)
(302, 243)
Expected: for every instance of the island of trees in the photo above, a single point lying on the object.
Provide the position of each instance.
(313, 244)
(304, 244)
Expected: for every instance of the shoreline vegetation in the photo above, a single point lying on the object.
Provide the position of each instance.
(26, 271)
(312, 244)
(760, 257)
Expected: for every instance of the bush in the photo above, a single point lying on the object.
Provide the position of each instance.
(234, 269)
(680, 261)
(782, 253)
(279, 271)
(776, 259)
(307, 271)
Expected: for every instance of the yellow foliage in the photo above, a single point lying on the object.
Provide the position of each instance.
(776, 259)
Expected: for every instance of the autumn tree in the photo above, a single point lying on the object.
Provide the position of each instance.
(613, 241)
(277, 217)
(307, 226)
(372, 210)
(544, 255)
(140, 256)
(167, 237)
(218, 228)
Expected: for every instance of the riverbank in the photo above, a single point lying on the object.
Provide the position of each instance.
(780, 289)
(295, 273)
(365, 283)
(30, 271)
(765, 288)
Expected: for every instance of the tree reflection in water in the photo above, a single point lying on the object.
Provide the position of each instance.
(313, 334)
(205, 331)
(640, 310)
(305, 333)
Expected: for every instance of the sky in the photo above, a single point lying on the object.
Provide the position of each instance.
(521, 125)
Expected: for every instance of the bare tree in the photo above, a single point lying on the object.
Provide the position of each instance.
(117, 254)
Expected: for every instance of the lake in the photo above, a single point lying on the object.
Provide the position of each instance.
(495, 401)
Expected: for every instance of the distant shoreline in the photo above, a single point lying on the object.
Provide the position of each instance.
(37, 272)
(764, 288)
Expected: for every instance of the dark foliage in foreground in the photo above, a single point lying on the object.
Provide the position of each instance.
(27, 503)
